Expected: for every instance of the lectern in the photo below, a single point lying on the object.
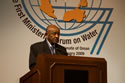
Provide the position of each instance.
(67, 69)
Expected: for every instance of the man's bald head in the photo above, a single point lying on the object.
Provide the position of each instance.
(51, 27)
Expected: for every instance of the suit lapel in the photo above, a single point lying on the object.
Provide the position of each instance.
(46, 47)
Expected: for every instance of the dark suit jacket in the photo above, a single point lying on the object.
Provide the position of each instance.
(43, 48)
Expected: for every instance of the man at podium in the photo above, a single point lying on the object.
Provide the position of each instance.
(48, 46)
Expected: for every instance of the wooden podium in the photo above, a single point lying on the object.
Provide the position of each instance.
(67, 69)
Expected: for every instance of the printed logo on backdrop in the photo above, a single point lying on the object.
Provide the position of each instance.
(84, 24)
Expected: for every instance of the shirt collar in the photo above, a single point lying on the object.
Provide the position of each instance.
(48, 43)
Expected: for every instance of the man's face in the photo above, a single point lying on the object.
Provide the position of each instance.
(53, 35)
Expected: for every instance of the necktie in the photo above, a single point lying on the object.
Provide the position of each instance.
(52, 50)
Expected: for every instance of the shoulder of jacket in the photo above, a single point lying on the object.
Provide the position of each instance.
(60, 46)
(38, 43)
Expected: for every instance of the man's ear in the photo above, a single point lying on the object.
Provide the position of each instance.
(46, 35)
